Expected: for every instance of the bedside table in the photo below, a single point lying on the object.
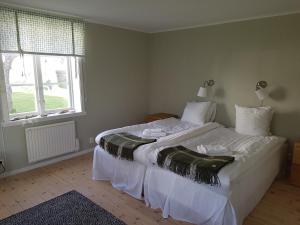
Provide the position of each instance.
(295, 170)
(158, 116)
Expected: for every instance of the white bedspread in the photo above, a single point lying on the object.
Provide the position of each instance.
(177, 131)
(169, 126)
(246, 149)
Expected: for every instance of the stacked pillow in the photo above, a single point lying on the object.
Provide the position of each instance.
(253, 121)
(199, 112)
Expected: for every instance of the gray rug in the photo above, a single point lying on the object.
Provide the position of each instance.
(71, 208)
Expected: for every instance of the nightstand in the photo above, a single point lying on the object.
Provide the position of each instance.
(295, 170)
(158, 116)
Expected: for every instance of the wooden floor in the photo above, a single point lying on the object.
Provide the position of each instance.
(280, 206)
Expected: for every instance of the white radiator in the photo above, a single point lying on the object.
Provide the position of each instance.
(51, 140)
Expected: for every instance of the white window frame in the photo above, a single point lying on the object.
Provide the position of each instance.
(42, 114)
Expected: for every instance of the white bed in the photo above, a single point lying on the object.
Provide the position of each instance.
(128, 176)
(243, 183)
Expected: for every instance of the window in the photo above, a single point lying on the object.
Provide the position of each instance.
(41, 61)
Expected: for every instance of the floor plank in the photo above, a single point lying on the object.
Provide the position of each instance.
(280, 205)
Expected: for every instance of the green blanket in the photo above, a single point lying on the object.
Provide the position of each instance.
(198, 167)
(122, 145)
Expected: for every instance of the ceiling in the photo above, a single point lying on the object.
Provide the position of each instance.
(162, 15)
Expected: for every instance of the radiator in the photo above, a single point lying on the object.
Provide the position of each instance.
(48, 141)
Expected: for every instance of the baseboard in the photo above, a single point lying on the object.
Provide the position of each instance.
(45, 163)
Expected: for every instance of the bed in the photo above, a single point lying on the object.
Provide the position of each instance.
(128, 176)
(243, 183)
(257, 161)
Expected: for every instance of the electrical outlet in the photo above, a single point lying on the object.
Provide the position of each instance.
(92, 140)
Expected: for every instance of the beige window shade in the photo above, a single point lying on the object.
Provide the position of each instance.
(37, 33)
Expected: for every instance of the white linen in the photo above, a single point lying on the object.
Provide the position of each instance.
(127, 176)
(146, 154)
(189, 201)
(245, 148)
(197, 112)
(253, 121)
(182, 198)
(153, 133)
(213, 150)
(169, 126)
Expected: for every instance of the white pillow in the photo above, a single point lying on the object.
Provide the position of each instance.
(196, 112)
(253, 121)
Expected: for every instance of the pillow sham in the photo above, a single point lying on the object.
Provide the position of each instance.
(253, 121)
(196, 112)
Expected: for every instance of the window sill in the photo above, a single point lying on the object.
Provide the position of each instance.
(41, 119)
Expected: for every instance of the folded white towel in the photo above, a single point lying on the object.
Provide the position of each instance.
(201, 149)
(213, 150)
(153, 130)
(153, 133)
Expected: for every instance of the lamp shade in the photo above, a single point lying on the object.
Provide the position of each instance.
(261, 94)
(202, 92)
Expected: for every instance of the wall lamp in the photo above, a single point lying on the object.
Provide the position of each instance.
(203, 90)
(260, 91)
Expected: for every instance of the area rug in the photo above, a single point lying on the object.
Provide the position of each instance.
(71, 208)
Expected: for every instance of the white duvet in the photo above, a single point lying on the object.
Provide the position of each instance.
(176, 130)
(169, 126)
(246, 149)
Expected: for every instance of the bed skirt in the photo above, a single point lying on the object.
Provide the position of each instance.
(127, 176)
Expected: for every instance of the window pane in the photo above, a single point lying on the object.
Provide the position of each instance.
(54, 69)
(55, 82)
(20, 83)
(23, 99)
(56, 96)
(16, 71)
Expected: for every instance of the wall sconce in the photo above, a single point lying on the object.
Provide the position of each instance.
(203, 90)
(260, 91)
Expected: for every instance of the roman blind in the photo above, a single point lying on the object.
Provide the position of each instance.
(29, 32)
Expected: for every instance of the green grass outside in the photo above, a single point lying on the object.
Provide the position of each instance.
(25, 102)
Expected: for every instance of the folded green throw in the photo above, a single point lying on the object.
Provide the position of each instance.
(122, 145)
(193, 165)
